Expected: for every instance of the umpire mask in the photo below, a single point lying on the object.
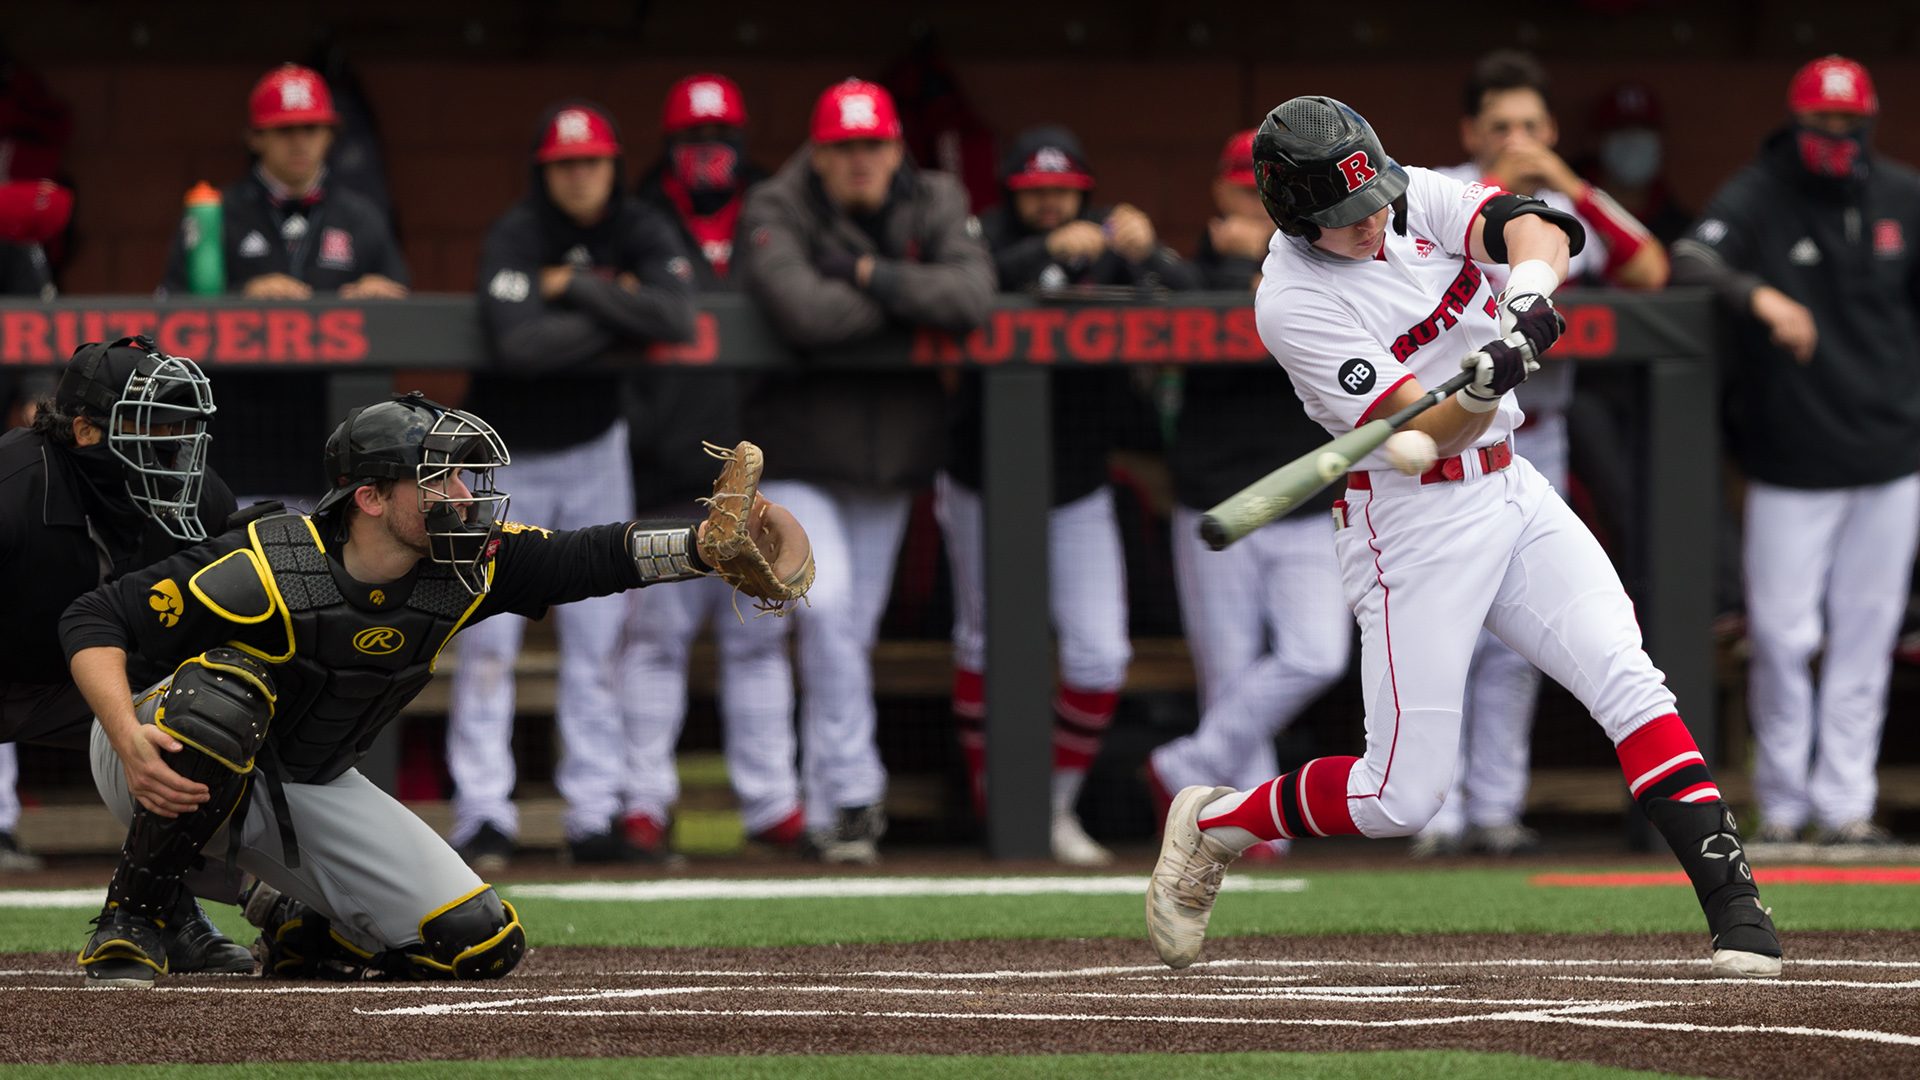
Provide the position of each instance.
(154, 409)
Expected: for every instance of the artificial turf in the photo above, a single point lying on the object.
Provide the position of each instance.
(1414, 901)
(1435, 1064)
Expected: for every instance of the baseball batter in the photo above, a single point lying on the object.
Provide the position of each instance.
(1371, 291)
(1509, 131)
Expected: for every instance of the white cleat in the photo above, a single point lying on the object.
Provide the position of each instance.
(1731, 963)
(1186, 880)
(1071, 844)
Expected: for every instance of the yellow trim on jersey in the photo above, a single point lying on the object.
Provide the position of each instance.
(434, 664)
(193, 583)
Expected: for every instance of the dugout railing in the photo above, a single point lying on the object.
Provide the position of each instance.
(1668, 337)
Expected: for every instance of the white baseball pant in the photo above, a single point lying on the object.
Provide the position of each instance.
(756, 700)
(1086, 584)
(9, 795)
(589, 484)
(1825, 568)
(1423, 566)
(856, 537)
(1269, 633)
(1496, 740)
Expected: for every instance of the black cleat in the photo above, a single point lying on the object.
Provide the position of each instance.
(489, 851)
(125, 951)
(195, 945)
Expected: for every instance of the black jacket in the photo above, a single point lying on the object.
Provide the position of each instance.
(534, 396)
(48, 559)
(272, 425)
(1238, 422)
(1094, 410)
(670, 411)
(1844, 248)
(869, 429)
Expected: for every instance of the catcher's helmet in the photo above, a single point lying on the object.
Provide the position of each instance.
(412, 438)
(154, 409)
(1318, 165)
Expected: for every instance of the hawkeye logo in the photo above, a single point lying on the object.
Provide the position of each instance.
(377, 596)
(165, 599)
(378, 641)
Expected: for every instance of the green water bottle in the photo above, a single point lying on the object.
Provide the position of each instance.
(206, 262)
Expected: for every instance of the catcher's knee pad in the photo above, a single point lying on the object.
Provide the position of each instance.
(218, 705)
(477, 936)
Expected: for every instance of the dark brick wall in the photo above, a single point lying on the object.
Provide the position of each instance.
(456, 132)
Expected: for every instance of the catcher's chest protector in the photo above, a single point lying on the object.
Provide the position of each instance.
(350, 671)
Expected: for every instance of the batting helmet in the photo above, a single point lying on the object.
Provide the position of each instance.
(1318, 165)
(154, 409)
(412, 438)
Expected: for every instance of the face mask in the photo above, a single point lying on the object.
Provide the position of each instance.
(1833, 156)
(706, 166)
(1632, 156)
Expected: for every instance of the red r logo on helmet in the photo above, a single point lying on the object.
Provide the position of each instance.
(1357, 169)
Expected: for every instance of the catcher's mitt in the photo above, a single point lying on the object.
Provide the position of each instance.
(757, 546)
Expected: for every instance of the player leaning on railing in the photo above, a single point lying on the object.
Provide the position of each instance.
(295, 640)
(1371, 291)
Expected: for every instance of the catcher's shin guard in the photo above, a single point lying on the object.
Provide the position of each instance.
(218, 705)
(297, 942)
(477, 936)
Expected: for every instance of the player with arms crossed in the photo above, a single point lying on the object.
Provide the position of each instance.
(1371, 292)
(292, 642)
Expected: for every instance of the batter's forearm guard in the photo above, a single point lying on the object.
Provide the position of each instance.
(663, 553)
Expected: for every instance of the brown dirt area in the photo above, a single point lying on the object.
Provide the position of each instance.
(1848, 1006)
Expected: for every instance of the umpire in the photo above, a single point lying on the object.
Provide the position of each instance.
(110, 478)
(1808, 249)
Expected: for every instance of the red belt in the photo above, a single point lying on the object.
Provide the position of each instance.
(1492, 459)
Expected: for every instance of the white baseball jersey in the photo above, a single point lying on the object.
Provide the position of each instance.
(1592, 260)
(1351, 331)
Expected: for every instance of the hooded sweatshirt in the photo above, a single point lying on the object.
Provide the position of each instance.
(535, 395)
(1094, 410)
(1844, 248)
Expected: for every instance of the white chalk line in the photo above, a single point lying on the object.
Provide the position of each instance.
(861, 888)
(1739, 980)
(1563, 1015)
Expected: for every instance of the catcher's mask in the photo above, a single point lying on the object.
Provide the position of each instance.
(154, 409)
(450, 454)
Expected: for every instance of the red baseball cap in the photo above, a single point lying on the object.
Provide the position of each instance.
(577, 131)
(703, 99)
(291, 96)
(1833, 84)
(1628, 104)
(33, 211)
(1236, 159)
(855, 109)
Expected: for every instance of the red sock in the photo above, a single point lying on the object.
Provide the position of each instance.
(1661, 761)
(969, 722)
(1080, 722)
(1310, 801)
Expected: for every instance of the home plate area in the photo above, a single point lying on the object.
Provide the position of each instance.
(1849, 1004)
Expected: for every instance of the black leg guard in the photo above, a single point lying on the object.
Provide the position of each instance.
(1706, 840)
(218, 705)
(297, 942)
(477, 936)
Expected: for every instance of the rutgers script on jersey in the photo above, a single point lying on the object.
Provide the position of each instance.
(1350, 331)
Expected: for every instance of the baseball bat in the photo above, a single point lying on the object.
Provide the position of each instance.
(1280, 491)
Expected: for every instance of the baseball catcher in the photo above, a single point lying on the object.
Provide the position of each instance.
(294, 640)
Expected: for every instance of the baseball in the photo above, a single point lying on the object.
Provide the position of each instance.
(1411, 452)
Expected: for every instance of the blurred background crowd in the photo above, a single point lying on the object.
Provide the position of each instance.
(588, 206)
